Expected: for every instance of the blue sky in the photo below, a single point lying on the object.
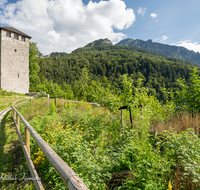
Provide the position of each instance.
(64, 25)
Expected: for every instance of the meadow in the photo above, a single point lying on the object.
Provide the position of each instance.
(160, 153)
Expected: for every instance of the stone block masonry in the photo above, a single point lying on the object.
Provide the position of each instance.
(14, 60)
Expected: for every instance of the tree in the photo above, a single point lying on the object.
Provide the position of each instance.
(33, 67)
(188, 98)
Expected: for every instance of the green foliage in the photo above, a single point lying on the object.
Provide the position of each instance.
(111, 62)
(53, 107)
(33, 67)
(188, 98)
(182, 153)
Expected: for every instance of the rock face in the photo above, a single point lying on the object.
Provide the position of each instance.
(164, 49)
(99, 42)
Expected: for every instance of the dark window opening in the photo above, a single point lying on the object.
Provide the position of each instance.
(23, 39)
(16, 37)
(15, 50)
(8, 34)
(18, 75)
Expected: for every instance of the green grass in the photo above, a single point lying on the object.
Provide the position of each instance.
(6, 101)
(12, 159)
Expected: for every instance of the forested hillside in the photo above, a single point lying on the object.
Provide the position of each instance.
(106, 62)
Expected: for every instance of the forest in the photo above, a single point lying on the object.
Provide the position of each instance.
(103, 65)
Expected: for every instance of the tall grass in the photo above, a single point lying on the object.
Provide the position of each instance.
(179, 122)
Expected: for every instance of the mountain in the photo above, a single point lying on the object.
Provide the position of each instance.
(163, 49)
(99, 42)
(106, 63)
(57, 54)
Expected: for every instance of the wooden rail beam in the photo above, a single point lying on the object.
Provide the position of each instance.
(18, 122)
(34, 175)
(27, 140)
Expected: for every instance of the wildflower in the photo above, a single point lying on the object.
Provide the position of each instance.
(188, 122)
(169, 185)
(196, 118)
(179, 122)
(91, 142)
(176, 114)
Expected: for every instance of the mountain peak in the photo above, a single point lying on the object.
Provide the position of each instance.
(99, 42)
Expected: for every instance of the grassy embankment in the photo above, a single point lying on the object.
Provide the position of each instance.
(12, 160)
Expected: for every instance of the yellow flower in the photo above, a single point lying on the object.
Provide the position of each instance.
(169, 185)
(91, 142)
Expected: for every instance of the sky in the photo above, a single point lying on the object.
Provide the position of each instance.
(64, 25)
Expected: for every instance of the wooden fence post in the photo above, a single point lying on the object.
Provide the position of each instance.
(122, 124)
(27, 140)
(18, 122)
(130, 117)
(121, 116)
(14, 115)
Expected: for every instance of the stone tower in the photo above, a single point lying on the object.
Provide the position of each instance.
(14, 60)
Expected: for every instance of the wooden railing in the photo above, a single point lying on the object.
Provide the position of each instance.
(69, 177)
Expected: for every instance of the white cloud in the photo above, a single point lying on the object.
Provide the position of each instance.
(64, 25)
(189, 45)
(141, 11)
(164, 38)
(153, 15)
(2, 3)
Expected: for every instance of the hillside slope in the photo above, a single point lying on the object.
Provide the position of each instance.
(107, 61)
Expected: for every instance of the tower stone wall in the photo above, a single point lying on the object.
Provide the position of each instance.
(14, 61)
